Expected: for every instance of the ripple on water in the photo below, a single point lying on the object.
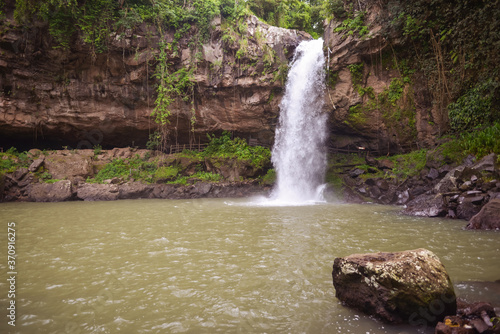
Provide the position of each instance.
(218, 265)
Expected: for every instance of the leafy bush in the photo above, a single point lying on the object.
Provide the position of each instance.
(270, 177)
(474, 108)
(354, 24)
(11, 160)
(479, 143)
(225, 147)
(207, 176)
(166, 173)
(410, 164)
(117, 168)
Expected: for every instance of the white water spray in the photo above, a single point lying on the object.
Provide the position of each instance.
(299, 155)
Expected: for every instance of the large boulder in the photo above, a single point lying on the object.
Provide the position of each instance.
(404, 287)
(135, 190)
(51, 192)
(426, 205)
(488, 218)
(97, 192)
(68, 165)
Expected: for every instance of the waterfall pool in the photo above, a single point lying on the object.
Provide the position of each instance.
(215, 265)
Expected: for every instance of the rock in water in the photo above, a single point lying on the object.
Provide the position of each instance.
(488, 218)
(404, 287)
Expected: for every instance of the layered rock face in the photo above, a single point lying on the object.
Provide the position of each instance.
(82, 99)
(361, 72)
(406, 287)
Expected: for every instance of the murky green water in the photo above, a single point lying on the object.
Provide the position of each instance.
(210, 266)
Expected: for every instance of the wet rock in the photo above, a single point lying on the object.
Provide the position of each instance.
(97, 192)
(493, 195)
(469, 160)
(65, 165)
(444, 170)
(19, 174)
(487, 186)
(202, 188)
(356, 172)
(403, 197)
(25, 181)
(449, 182)
(418, 190)
(374, 192)
(467, 208)
(488, 163)
(466, 186)
(382, 184)
(471, 318)
(134, 190)
(51, 192)
(404, 287)
(488, 218)
(361, 190)
(427, 205)
(36, 164)
(433, 174)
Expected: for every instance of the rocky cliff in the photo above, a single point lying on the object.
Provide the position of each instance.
(78, 98)
(391, 77)
(376, 101)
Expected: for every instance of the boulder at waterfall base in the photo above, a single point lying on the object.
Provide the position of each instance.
(404, 287)
(488, 218)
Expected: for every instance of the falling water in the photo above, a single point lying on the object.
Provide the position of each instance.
(299, 155)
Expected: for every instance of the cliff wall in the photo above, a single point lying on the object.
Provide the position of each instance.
(78, 98)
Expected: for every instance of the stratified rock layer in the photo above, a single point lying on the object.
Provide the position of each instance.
(405, 287)
(56, 97)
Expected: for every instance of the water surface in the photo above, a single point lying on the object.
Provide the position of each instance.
(212, 265)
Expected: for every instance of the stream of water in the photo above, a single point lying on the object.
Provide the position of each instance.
(299, 155)
(214, 265)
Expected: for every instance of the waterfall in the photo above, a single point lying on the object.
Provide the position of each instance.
(299, 155)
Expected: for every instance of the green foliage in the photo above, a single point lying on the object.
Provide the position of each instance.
(225, 147)
(454, 45)
(270, 177)
(395, 91)
(97, 150)
(353, 24)
(479, 143)
(117, 168)
(154, 141)
(93, 18)
(207, 176)
(290, 14)
(334, 9)
(11, 160)
(474, 108)
(357, 116)
(356, 73)
(164, 88)
(407, 165)
(46, 177)
(166, 173)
